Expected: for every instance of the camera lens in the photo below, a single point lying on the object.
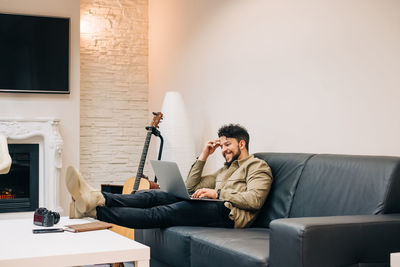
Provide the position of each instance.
(56, 217)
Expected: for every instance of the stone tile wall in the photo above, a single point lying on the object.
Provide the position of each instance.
(114, 88)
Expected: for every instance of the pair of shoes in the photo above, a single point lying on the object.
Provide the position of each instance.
(84, 198)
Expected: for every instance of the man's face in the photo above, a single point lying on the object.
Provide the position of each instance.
(230, 148)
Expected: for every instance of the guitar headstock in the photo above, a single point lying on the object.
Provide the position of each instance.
(157, 117)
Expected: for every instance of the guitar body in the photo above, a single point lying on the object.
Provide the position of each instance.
(128, 185)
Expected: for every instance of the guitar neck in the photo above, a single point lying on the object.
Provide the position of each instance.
(142, 160)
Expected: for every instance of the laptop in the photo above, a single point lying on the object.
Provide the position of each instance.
(170, 180)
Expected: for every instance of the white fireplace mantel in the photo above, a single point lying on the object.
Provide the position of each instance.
(45, 132)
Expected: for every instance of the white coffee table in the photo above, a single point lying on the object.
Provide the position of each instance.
(20, 247)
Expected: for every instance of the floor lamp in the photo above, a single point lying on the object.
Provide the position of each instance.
(178, 139)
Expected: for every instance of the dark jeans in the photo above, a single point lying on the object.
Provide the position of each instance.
(158, 209)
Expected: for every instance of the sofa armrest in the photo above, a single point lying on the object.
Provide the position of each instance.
(334, 241)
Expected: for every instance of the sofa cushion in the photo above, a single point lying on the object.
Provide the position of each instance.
(230, 247)
(206, 246)
(170, 245)
(286, 170)
(333, 185)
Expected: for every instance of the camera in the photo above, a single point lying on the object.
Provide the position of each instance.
(45, 217)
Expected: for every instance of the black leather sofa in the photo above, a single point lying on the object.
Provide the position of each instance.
(323, 210)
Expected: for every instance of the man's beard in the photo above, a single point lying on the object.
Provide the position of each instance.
(235, 157)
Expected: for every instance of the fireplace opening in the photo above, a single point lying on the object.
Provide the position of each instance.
(19, 189)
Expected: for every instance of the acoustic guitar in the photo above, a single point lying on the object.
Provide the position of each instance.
(139, 183)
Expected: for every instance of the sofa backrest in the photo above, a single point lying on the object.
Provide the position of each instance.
(333, 185)
(286, 170)
(307, 185)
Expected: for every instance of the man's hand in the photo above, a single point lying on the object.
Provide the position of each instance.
(209, 148)
(205, 192)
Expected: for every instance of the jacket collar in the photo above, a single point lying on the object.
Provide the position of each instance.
(239, 163)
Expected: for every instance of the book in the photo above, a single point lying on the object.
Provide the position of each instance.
(84, 227)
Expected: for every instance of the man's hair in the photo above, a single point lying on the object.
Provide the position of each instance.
(235, 131)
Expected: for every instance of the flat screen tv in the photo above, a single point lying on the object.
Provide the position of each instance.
(34, 54)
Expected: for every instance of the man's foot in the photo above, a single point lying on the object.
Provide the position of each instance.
(76, 214)
(85, 198)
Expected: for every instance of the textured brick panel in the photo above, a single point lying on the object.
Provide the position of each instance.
(114, 88)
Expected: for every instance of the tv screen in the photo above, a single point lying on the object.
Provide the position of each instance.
(34, 54)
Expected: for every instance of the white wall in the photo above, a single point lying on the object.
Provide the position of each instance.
(63, 107)
(302, 76)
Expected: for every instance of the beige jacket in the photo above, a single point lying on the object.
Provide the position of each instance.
(244, 185)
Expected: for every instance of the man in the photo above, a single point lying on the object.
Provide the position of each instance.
(243, 183)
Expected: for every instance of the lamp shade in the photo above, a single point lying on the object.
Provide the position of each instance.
(178, 140)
